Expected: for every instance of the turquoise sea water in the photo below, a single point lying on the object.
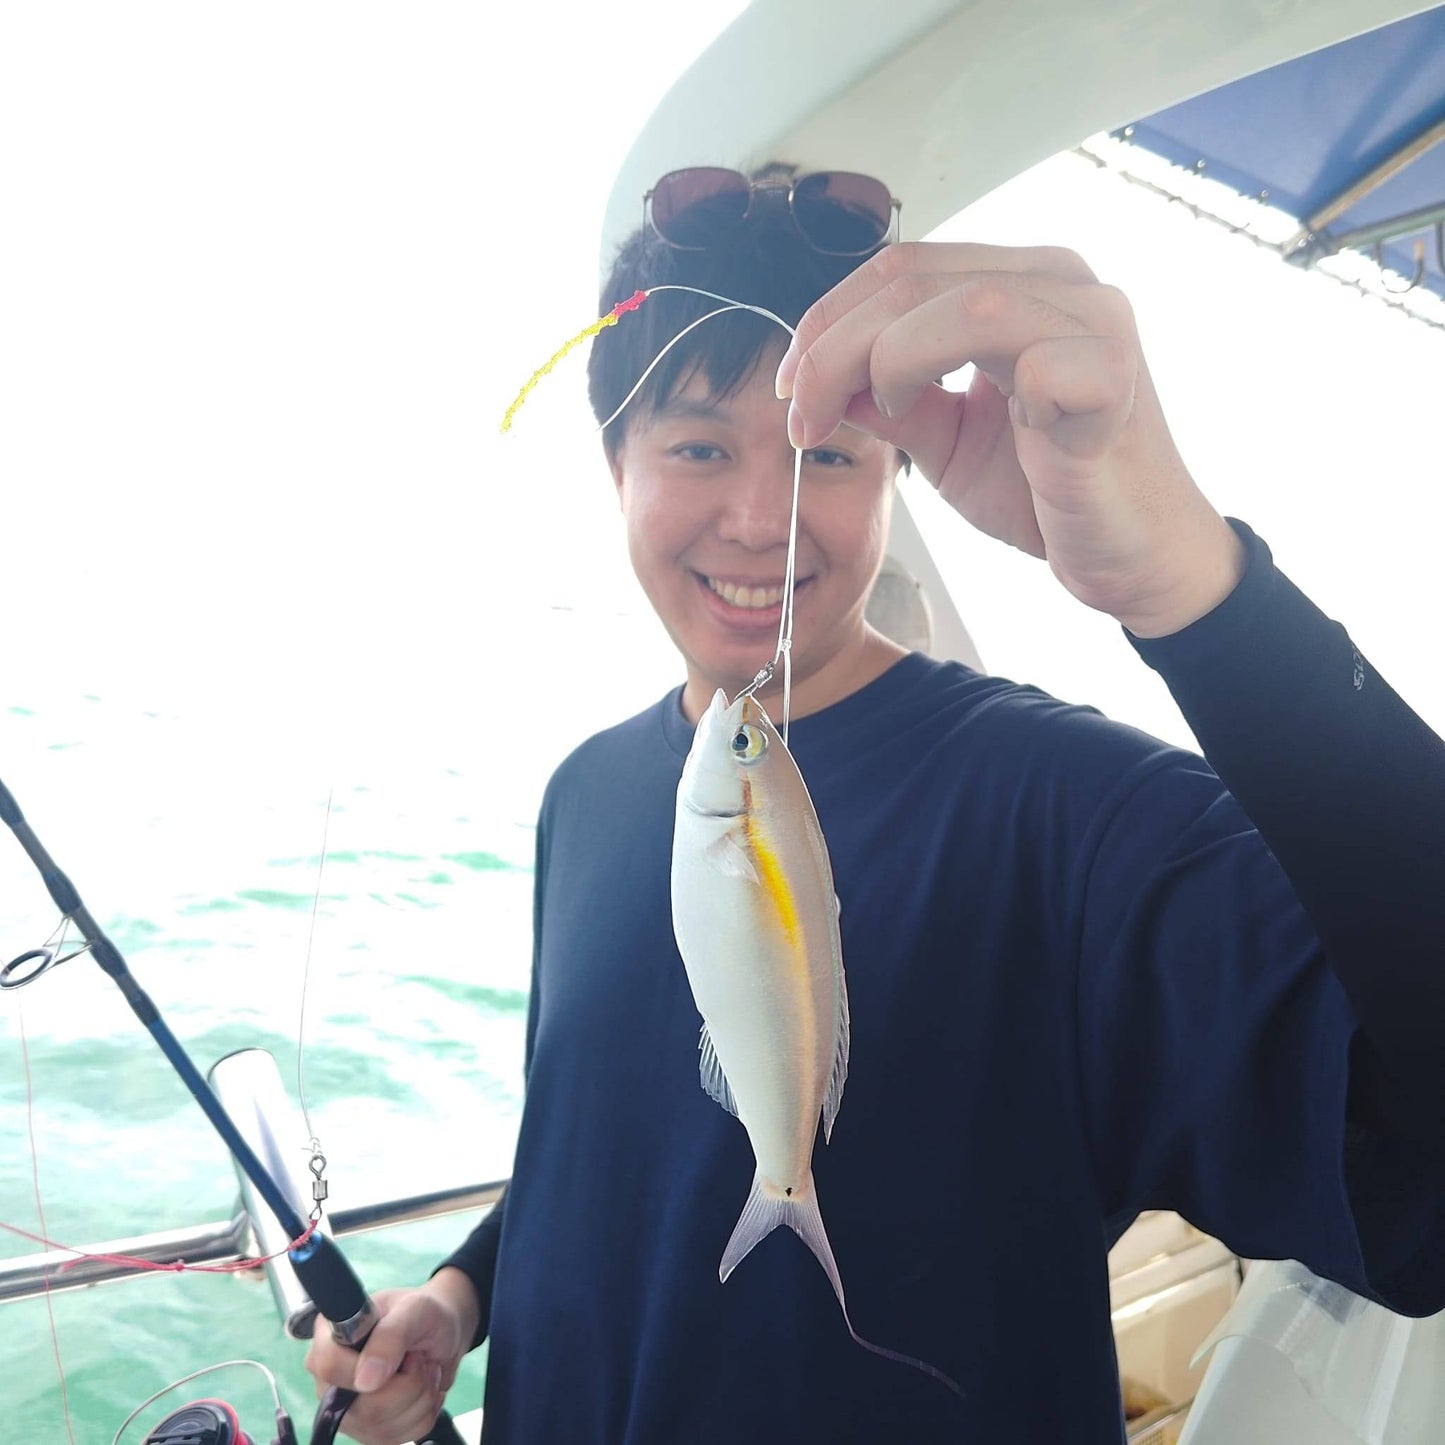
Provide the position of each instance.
(202, 869)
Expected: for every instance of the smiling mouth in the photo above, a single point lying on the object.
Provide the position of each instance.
(745, 597)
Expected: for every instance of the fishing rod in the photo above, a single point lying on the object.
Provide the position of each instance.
(318, 1263)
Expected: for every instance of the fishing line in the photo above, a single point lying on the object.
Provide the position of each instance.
(40, 1210)
(318, 1159)
(898, 1357)
(783, 653)
(809, 1228)
(656, 360)
(196, 1375)
(140, 1265)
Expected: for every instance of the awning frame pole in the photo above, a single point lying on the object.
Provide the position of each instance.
(1308, 243)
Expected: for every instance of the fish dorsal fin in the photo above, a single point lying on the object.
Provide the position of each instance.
(730, 859)
(836, 1079)
(714, 1081)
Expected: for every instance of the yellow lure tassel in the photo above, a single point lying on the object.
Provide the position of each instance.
(611, 319)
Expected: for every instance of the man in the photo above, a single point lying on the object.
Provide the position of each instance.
(1086, 976)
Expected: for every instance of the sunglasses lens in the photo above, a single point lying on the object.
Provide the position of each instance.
(842, 213)
(699, 207)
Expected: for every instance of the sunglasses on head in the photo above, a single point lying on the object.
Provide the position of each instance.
(838, 213)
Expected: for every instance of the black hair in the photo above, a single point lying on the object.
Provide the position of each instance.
(768, 263)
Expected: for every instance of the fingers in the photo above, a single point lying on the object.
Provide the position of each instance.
(896, 264)
(388, 1344)
(401, 1373)
(330, 1363)
(1078, 388)
(414, 1401)
(395, 1403)
(901, 339)
(402, 1409)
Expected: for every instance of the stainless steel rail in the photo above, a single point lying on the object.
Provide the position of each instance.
(220, 1242)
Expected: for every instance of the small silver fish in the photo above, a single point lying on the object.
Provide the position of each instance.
(756, 921)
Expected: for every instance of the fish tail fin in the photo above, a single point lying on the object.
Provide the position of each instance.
(765, 1210)
(761, 1215)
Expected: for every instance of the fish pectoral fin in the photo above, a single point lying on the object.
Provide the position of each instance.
(714, 1081)
(729, 858)
(839, 1076)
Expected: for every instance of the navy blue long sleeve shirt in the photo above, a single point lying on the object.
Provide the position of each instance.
(1089, 974)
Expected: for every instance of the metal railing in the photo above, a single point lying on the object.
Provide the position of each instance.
(219, 1242)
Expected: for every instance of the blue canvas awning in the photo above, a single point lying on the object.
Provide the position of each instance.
(1347, 139)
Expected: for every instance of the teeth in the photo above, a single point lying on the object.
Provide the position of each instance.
(750, 597)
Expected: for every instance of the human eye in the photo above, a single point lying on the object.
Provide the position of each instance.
(698, 452)
(830, 457)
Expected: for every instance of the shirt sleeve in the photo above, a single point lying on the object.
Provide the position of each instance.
(1347, 786)
(476, 1257)
(1250, 1047)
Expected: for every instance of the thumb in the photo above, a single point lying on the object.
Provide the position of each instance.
(374, 1371)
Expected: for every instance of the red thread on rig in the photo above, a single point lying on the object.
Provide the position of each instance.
(131, 1261)
(631, 304)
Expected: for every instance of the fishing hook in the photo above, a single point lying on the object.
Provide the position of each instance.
(764, 677)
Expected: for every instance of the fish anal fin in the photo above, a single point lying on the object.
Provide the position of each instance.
(714, 1081)
(839, 1076)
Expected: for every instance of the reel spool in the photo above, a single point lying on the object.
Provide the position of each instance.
(212, 1422)
(202, 1422)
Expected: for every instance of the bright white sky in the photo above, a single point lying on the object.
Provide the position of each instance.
(269, 276)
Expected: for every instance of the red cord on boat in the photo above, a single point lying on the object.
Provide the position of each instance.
(236, 1266)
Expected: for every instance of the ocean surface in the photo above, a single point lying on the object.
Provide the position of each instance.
(201, 861)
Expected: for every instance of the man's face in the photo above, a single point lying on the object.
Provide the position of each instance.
(706, 488)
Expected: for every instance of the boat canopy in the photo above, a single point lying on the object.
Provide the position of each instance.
(1348, 140)
(948, 99)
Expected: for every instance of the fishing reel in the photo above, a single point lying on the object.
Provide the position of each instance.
(213, 1422)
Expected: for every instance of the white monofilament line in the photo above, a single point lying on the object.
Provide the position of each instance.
(785, 621)
(306, 975)
(196, 1375)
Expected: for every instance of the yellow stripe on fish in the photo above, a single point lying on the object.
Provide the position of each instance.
(775, 884)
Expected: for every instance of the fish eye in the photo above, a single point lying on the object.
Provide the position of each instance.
(749, 744)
